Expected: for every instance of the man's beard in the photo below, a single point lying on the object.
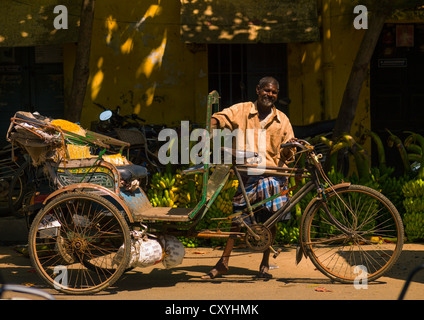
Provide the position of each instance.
(267, 102)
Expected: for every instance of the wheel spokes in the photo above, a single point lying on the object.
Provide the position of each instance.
(81, 237)
(370, 242)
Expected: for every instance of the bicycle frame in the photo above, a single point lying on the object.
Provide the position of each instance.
(280, 214)
(312, 172)
(208, 196)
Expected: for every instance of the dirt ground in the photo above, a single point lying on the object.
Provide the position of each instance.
(289, 282)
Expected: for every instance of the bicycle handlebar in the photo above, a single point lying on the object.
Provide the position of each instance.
(300, 143)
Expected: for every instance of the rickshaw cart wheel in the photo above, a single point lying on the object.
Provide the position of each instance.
(79, 243)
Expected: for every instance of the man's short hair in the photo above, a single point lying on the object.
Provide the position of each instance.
(268, 80)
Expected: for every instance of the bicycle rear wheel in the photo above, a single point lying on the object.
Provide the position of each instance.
(7, 175)
(79, 243)
(371, 242)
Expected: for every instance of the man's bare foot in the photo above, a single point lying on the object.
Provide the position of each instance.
(263, 272)
(219, 269)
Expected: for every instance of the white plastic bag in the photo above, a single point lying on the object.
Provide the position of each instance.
(133, 255)
(174, 251)
(144, 251)
(150, 252)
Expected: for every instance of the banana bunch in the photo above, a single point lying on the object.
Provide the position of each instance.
(390, 187)
(288, 234)
(173, 190)
(414, 145)
(184, 197)
(414, 207)
(222, 206)
(161, 191)
(176, 190)
(413, 188)
(162, 181)
(414, 226)
(195, 185)
(170, 190)
(224, 201)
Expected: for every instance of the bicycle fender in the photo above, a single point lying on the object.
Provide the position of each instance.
(300, 250)
(76, 186)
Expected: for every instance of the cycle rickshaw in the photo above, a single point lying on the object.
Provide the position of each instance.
(85, 229)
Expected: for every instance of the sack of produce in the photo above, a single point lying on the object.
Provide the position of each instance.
(144, 251)
(174, 251)
(150, 252)
(134, 254)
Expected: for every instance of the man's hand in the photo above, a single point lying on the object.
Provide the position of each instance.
(214, 123)
(288, 153)
(291, 140)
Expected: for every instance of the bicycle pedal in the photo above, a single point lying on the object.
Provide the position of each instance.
(276, 253)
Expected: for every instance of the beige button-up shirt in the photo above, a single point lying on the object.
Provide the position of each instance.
(243, 119)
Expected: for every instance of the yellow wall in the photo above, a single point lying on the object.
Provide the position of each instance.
(30, 23)
(139, 63)
(318, 72)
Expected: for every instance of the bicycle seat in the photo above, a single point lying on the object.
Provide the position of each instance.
(132, 171)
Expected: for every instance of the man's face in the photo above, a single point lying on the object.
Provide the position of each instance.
(267, 95)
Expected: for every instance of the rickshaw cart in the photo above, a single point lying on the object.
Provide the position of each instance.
(98, 218)
(84, 228)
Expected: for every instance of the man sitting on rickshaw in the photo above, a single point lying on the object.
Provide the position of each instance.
(259, 115)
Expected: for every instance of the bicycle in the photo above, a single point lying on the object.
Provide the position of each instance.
(85, 229)
(12, 183)
(343, 226)
(35, 187)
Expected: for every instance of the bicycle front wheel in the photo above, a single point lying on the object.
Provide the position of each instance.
(79, 243)
(365, 246)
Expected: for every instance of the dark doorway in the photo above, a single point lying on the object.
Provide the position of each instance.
(235, 69)
(397, 85)
(31, 79)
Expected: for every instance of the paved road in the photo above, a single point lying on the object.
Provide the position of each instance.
(289, 282)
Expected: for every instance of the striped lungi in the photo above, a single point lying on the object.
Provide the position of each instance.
(257, 189)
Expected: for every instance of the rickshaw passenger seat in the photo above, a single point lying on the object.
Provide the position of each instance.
(132, 171)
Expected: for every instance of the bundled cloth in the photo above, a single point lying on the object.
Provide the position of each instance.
(36, 135)
(46, 139)
(147, 251)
